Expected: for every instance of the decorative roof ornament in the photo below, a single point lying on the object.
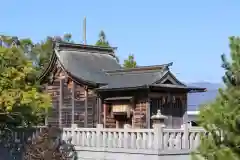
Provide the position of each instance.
(158, 116)
(158, 119)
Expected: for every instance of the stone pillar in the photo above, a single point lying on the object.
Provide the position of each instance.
(158, 125)
(158, 119)
(74, 134)
(99, 135)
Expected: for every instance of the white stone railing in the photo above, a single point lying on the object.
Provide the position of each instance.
(158, 138)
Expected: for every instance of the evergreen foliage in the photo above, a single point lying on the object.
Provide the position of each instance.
(102, 42)
(130, 62)
(21, 97)
(221, 118)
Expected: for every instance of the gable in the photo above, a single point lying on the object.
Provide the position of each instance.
(84, 64)
(169, 78)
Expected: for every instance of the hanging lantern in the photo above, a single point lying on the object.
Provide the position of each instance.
(163, 100)
(173, 99)
(168, 99)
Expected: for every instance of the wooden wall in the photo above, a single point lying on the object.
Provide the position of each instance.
(110, 120)
(87, 113)
(82, 97)
(54, 92)
(173, 105)
(140, 113)
(138, 117)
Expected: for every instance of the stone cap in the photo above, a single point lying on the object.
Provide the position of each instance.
(158, 116)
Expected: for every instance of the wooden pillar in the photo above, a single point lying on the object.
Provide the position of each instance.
(100, 110)
(148, 114)
(46, 110)
(96, 112)
(60, 102)
(171, 110)
(104, 115)
(73, 101)
(133, 117)
(184, 107)
(117, 124)
(86, 108)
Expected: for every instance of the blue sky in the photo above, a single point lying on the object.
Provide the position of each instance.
(192, 34)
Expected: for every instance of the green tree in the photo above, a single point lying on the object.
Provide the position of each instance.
(21, 98)
(42, 52)
(130, 62)
(221, 118)
(102, 41)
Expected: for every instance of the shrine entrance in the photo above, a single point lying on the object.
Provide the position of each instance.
(120, 110)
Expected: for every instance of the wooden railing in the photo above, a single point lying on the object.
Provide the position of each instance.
(158, 138)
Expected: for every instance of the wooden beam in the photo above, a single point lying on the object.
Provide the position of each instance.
(104, 115)
(96, 112)
(99, 110)
(60, 102)
(86, 108)
(84, 31)
(170, 117)
(185, 116)
(148, 114)
(73, 101)
(46, 110)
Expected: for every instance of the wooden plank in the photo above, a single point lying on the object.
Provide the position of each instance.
(148, 114)
(99, 111)
(60, 103)
(73, 102)
(170, 117)
(86, 108)
(104, 115)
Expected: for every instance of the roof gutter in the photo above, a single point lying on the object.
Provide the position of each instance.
(122, 89)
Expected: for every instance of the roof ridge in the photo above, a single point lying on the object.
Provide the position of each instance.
(59, 45)
(142, 68)
(83, 46)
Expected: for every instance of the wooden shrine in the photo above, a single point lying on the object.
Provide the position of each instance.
(88, 86)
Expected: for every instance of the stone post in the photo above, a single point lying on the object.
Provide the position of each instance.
(158, 125)
(74, 134)
(125, 135)
(186, 135)
(99, 135)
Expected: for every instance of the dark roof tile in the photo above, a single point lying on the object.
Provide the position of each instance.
(88, 66)
(98, 65)
(133, 79)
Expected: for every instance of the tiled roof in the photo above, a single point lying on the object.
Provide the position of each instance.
(88, 65)
(133, 79)
(98, 66)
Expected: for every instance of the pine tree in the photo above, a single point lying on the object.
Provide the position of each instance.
(130, 62)
(221, 118)
(102, 42)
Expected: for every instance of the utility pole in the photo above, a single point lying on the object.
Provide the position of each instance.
(84, 31)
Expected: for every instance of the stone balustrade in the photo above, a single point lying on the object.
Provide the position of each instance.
(158, 138)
